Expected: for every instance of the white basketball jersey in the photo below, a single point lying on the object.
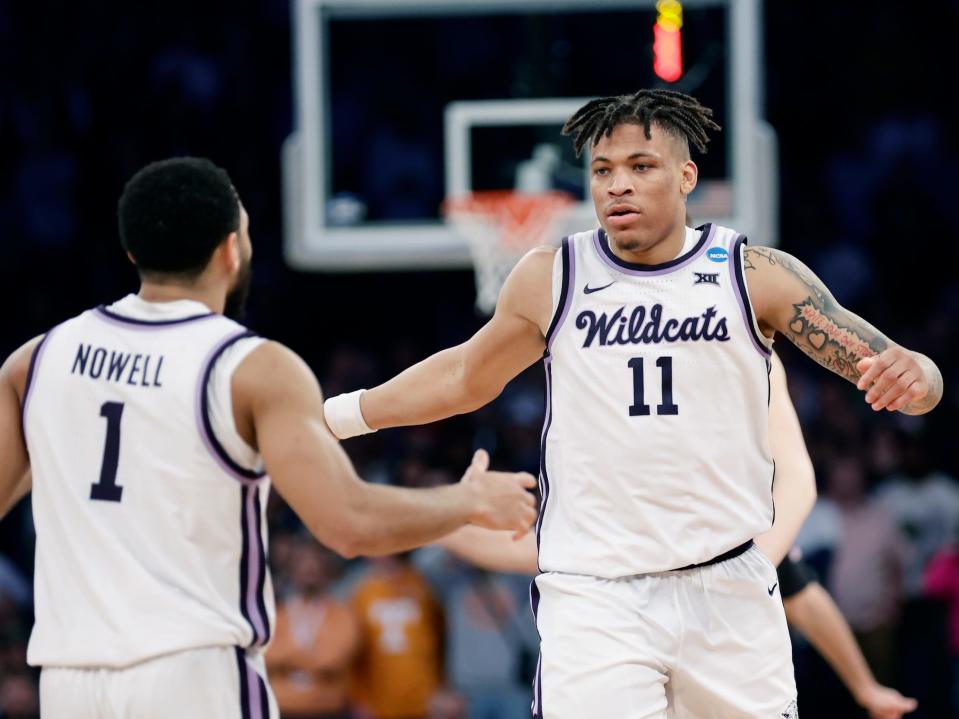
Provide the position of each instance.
(148, 505)
(655, 450)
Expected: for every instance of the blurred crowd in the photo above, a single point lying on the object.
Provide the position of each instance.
(89, 92)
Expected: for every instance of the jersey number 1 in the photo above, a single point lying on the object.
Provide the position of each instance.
(639, 407)
(107, 490)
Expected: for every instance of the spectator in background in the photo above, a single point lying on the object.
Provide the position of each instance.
(18, 696)
(925, 503)
(493, 644)
(18, 685)
(942, 582)
(866, 573)
(447, 704)
(399, 669)
(316, 639)
(14, 587)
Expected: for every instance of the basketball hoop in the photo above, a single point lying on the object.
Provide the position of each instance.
(501, 226)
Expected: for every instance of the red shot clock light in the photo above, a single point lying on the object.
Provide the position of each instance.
(667, 40)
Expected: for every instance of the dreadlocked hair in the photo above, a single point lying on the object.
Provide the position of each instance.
(675, 112)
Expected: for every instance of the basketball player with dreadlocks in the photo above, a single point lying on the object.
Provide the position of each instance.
(656, 471)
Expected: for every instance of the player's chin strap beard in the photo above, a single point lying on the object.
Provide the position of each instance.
(235, 305)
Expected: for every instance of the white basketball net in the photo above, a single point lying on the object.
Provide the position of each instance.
(501, 227)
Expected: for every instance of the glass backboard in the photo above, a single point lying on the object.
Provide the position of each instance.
(401, 104)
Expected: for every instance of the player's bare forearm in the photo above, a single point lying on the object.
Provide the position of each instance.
(395, 519)
(792, 300)
(815, 322)
(429, 391)
(457, 380)
(495, 551)
(814, 613)
(278, 409)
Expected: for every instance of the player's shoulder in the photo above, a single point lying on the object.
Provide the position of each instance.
(533, 270)
(272, 369)
(272, 360)
(542, 257)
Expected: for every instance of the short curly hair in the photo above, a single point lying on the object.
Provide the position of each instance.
(174, 213)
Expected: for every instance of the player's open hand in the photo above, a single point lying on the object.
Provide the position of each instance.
(897, 379)
(501, 499)
(885, 703)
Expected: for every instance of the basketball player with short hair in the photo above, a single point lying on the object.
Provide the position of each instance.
(656, 471)
(149, 426)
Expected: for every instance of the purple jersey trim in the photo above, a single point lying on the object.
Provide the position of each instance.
(113, 318)
(31, 373)
(543, 474)
(253, 566)
(254, 702)
(537, 705)
(601, 243)
(742, 297)
(568, 254)
(203, 413)
(259, 579)
(244, 683)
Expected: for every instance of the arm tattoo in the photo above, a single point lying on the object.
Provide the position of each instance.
(832, 336)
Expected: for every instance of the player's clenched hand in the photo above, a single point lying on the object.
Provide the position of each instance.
(897, 379)
(501, 500)
(885, 703)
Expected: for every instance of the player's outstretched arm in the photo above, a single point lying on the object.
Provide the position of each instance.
(813, 612)
(495, 551)
(466, 377)
(278, 409)
(15, 478)
(794, 491)
(789, 298)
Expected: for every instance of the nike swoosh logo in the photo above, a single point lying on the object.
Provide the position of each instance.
(590, 290)
(772, 589)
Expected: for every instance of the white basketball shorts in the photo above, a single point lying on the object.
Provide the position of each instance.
(704, 643)
(209, 683)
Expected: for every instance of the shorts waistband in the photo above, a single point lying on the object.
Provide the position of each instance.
(734, 552)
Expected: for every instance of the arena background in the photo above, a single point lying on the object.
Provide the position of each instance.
(858, 95)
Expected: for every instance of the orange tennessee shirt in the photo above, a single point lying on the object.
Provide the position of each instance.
(400, 665)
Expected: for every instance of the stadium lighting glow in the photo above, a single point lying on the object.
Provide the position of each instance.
(667, 41)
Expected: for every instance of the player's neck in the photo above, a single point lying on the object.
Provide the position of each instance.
(170, 292)
(663, 251)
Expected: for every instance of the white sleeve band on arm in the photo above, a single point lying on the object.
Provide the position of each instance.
(344, 416)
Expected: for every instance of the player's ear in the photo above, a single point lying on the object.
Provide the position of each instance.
(689, 177)
(232, 256)
(131, 258)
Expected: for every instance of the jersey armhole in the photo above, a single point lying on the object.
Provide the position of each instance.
(564, 278)
(205, 422)
(762, 343)
(32, 368)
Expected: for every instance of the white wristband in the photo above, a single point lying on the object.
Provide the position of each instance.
(344, 416)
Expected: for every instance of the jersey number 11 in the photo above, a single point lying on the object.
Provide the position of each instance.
(639, 407)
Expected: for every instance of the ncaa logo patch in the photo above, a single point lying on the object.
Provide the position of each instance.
(717, 254)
